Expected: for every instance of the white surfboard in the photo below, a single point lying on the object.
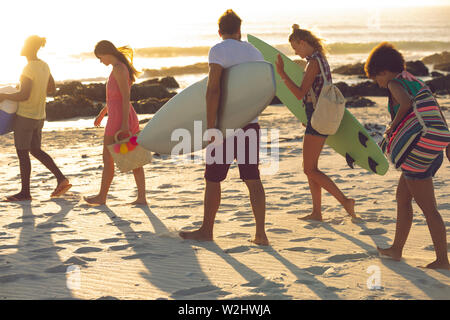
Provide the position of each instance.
(247, 89)
(8, 110)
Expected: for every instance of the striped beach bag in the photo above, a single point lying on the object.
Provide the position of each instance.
(421, 136)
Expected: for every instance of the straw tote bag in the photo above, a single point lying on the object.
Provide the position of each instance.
(329, 108)
(128, 154)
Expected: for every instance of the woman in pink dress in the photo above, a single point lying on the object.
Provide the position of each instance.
(121, 115)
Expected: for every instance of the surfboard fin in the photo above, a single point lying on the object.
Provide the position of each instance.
(350, 160)
(363, 138)
(373, 165)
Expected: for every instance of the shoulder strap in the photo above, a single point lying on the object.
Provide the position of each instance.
(325, 80)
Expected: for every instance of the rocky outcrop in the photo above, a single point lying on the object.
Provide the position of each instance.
(417, 68)
(437, 58)
(66, 107)
(359, 102)
(74, 99)
(440, 85)
(367, 88)
(442, 66)
(351, 69)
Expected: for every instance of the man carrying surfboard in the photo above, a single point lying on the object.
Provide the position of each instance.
(231, 51)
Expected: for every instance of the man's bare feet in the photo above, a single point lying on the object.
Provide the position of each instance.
(313, 216)
(94, 200)
(390, 252)
(438, 265)
(139, 202)
(198, 235)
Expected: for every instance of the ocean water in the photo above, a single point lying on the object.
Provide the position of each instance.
(349, 36)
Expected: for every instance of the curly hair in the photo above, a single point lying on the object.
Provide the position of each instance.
(384, 57)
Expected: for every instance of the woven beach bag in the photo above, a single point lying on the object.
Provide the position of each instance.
(128, 154)
(420, 137)
(329, 108)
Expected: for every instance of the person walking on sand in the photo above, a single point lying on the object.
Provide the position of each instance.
(229, 52)
(35, 83)
(307, 45)
(386, 66)
(122, 117)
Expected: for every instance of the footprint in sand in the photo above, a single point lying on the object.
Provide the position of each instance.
(88, 250)
(346, 257)
(144, 255)
(236, 235)
(193, 291)
(307, 250)
(302, 239)
(71, 241)
(17, 225)
(316, 270)
(279, 230)
(238, 249)
(111, 240)
(373, 232)
(119, 248)
(178, 217)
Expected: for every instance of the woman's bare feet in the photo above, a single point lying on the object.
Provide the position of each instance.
(95, 200)
(260, 240)
(313, 216)
(198, 235)
(349, 206)
(390, 252)
(139, 202)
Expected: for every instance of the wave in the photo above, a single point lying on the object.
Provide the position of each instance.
(344, 48)
(333, 48)
(197, 68)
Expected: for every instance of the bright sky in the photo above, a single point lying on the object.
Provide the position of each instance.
(74, 26)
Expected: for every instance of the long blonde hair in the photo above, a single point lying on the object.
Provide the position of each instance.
(306, 35)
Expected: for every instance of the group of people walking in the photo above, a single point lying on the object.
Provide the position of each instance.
(385, 65)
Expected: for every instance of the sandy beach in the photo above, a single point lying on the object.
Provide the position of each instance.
(64, 249)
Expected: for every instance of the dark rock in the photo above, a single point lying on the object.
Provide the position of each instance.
(363, 89)
(358, 102)
(442, 66)
(344, 88)
(417, 68)
(95, 92)
(438, 84)
(145, 91)
(169, 82)
(149, 105)
(437, 58)
(351, 69)
(436, 74)
(65, 107)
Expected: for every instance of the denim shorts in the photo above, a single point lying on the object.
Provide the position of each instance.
(309, 108)
(431, 171)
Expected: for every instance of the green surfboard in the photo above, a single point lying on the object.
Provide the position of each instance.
(352, 140)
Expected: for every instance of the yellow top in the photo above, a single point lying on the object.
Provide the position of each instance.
(39, 73)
